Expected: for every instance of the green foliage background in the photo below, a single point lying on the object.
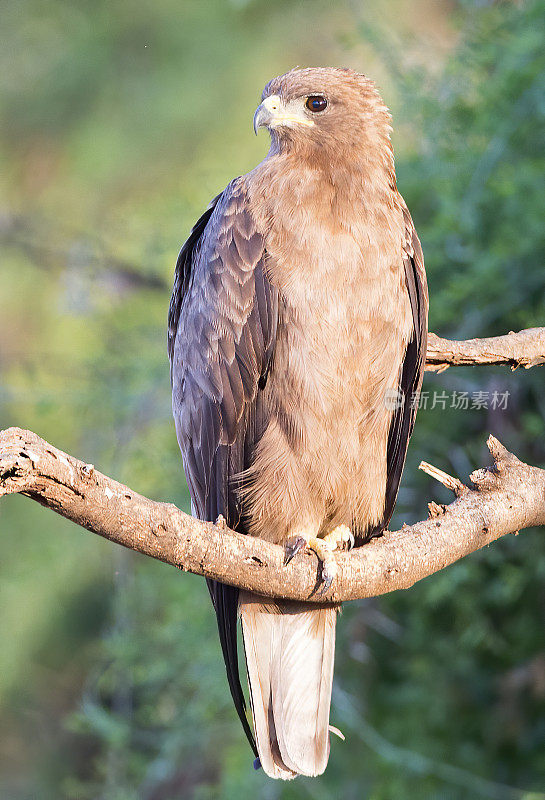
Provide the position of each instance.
(121, 120)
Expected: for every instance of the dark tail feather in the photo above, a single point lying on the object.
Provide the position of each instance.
(225, 600)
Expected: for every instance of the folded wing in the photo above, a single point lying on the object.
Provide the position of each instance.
(221, 335)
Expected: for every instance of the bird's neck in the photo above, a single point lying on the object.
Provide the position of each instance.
(324, 181)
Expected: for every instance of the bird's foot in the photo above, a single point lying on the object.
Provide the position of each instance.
(340, 538)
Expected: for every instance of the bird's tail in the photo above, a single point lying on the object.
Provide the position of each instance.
(290, 649)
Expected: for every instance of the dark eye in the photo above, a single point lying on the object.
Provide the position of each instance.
(316, 103)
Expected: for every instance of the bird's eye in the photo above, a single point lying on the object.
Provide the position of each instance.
(316, 103)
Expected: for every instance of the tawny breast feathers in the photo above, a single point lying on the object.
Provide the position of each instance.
(344, 323)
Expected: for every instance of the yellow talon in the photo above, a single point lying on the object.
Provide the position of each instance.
(324, 549)
(341, 537)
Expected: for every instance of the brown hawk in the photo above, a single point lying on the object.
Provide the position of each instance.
(299, 310)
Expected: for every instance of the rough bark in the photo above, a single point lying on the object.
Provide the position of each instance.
(502, 500)
(523, 349)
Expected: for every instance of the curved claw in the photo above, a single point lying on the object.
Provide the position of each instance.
(293, 546)
(329, 571)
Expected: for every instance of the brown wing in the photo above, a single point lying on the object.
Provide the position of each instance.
(222, 331)
(412, 370)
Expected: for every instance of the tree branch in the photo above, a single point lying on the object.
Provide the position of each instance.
(523, 349)
(505, 499)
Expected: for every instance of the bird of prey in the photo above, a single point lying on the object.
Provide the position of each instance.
(299, 311)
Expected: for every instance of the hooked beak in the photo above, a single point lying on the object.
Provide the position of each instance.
(265, 113)
(272, 113)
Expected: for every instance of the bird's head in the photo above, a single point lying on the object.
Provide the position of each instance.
(326, 110)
